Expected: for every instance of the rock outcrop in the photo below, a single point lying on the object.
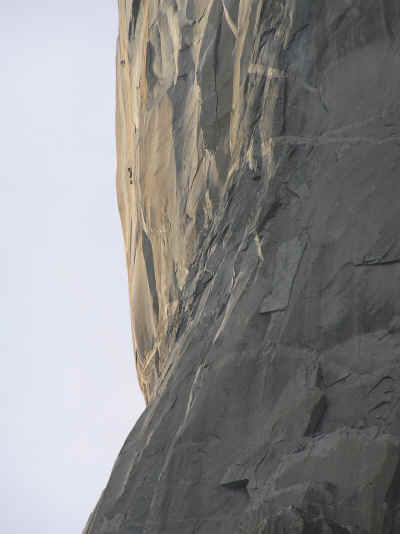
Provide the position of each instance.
(258, 185)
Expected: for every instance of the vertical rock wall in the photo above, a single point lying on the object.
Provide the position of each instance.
(258, 185)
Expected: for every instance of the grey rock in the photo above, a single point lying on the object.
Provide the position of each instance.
(258, 185)
(360, 465)
(287, 260)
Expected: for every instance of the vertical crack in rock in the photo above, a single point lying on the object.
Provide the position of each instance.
(258, 149)
(134, 16)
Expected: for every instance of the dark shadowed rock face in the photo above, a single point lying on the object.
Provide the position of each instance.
(259, 188)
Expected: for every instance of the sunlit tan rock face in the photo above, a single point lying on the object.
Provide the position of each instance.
(258, 186)
(175, 153)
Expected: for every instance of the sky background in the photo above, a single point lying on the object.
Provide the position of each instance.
(69, 392)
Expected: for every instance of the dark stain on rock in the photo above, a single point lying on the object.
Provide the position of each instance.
(149, 262)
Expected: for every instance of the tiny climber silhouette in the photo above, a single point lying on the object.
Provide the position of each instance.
(130, 175)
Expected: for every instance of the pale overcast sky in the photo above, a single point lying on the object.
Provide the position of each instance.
(69, 393)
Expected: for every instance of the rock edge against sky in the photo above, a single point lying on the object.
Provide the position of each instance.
(258, 186)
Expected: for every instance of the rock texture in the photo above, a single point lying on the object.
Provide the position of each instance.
(259, 186)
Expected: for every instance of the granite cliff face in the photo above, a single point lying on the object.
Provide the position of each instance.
(258, 185)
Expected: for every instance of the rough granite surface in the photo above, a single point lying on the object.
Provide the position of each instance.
(259, 191)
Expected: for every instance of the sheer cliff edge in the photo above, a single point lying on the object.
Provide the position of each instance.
(259, 190)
